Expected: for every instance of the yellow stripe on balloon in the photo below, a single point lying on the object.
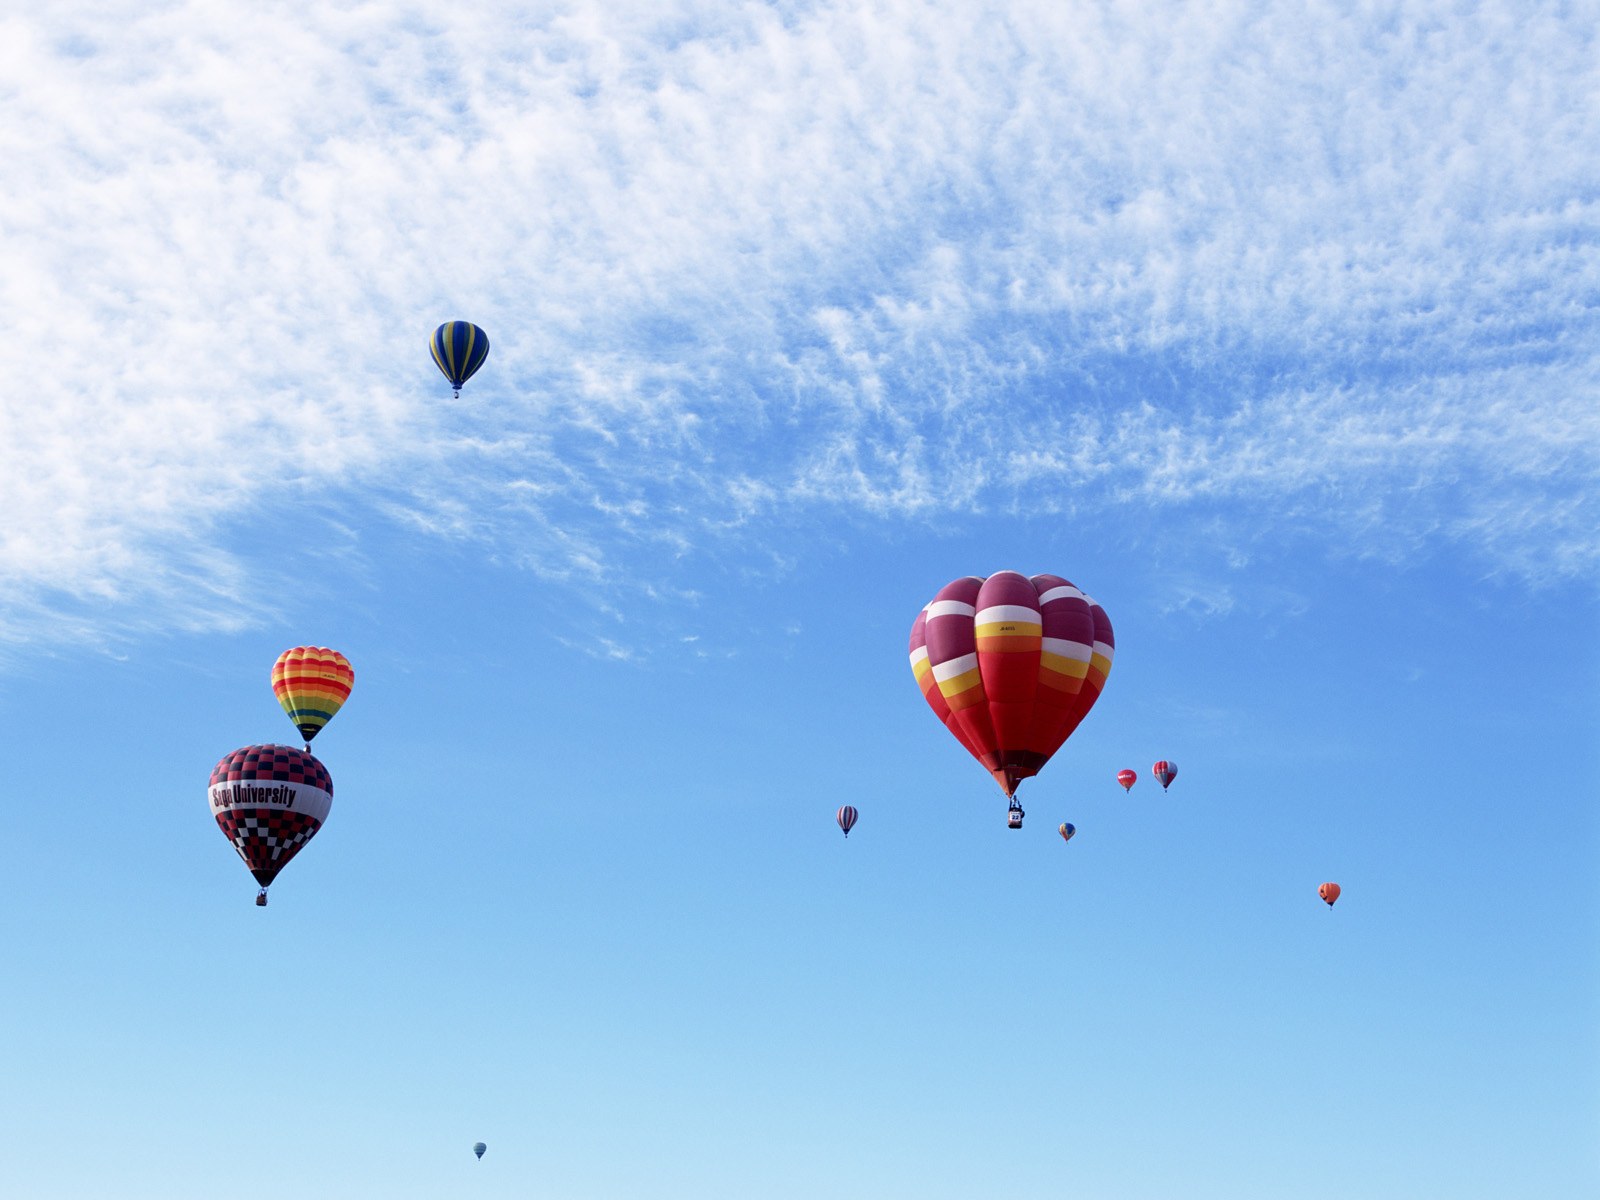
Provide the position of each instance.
(1062, 665)
(1009, 644)
(963, 690)
(996, 628)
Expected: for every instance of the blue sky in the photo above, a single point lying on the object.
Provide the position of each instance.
(1272, 327)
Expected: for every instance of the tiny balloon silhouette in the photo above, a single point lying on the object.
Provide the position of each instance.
(478, 1148)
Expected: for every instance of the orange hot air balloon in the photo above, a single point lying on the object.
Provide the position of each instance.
(1011, 665)
(1329, 893)
(312, 683)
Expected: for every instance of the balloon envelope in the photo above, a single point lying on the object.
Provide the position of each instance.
(312, 683)
(1329, 893)
(1166, 772)
(1127, 779)
(478, 1148)
(847, 819)
(459, 348)
(1011, 665)
(269, 801)
(1067, 830)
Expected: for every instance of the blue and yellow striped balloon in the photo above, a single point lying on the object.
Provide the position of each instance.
(459, 347)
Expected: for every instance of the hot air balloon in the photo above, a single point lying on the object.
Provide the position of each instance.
(269, 801)
(1166, 772)
(1067, 830)
(1127, 779)
(847, 819)
(1329, 893)
(478, 1148)
(1011, 665)
(312, 683)
(459, 347)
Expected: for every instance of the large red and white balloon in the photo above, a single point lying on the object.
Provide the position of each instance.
(269, 801)
(1011, 665)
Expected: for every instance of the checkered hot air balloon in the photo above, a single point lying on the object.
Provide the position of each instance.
(1165, 771)
(1329, 893)
(269, 801)
(1011, 665)
(1127, 779)
(459, 348)
(847, 819)
(312, 683)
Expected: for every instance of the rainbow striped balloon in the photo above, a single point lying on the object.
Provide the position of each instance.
(312, 683)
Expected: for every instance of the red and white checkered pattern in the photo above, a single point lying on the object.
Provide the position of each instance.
(269, 801)
(267, 838)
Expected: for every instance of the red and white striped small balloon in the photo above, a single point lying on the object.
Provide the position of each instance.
(847, 819)
(1166, 772)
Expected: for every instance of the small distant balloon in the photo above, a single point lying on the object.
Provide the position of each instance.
(1067, 830)
(459, 348)
(478, 1148)
(847, 819)
(1127, 779)
(1166, 772)
(1329, 893)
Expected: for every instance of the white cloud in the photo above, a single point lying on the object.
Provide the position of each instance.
(747, 264)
